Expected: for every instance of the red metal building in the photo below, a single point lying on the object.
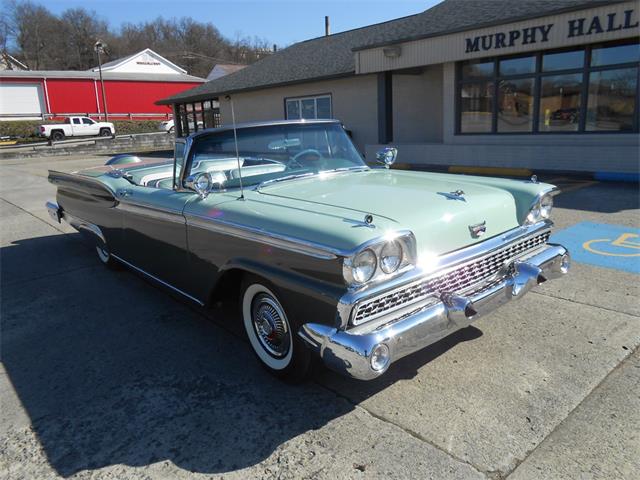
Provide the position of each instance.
(132, 86)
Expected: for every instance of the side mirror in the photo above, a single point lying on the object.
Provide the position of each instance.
(201, 183)
(387, 156)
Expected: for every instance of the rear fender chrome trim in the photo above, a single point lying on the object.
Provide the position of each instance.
(153, 277)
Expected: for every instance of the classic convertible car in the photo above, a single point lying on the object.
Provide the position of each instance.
(358, 265)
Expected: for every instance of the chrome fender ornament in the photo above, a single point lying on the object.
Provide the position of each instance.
(455, 195)
(478, 229)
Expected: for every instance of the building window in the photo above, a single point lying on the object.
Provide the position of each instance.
(515, 105)
(612, 100)
(582, 90)
(308, 107)
(560, 103)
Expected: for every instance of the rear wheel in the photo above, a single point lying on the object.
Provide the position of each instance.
(105, 132)
(57, 136)
(272, 334)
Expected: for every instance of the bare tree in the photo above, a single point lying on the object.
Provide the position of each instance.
(46, 41)
(81, 29)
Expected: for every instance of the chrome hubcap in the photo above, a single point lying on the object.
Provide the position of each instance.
(103, 253)
(270, 325)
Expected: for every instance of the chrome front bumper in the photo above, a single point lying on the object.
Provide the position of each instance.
(349, 351)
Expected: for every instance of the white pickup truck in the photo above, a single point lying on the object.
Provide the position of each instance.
(76, 127)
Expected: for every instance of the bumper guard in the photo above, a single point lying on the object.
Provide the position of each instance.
(349, 353)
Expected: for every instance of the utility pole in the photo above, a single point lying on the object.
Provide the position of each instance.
(99, 48)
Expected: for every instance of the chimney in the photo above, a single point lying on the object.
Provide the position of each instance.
(275, 47)
(327, 30)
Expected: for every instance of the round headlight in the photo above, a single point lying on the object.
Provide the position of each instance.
(364, 266)
(546, 204)
(391, 256)
(534, 214)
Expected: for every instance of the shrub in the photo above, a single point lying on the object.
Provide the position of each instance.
(127, 127)
(19, 128)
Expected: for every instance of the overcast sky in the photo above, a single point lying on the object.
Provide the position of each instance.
(280, 22)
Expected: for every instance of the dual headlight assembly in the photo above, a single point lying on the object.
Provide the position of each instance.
(380, 260)
(540, 210)
(385, 258)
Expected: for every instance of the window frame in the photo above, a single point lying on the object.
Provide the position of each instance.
(537, 76)
(315, 98)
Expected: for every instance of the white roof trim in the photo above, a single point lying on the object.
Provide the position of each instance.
(133, 56)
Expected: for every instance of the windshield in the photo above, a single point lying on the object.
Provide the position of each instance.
(274, 152)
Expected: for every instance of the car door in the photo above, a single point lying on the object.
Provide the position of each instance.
(77, 129)
(90, 127)
(154, 228)
(155, 232)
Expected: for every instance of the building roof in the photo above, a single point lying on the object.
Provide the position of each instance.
(333, 56)
(113, 64)
(140, 77)
(222, 69)
(9, 62)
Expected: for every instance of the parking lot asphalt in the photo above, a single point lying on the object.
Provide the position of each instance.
(104, 375)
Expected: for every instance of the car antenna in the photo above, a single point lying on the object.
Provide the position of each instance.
(235, 140)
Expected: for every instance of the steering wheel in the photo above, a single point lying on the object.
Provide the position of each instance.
(297, 158)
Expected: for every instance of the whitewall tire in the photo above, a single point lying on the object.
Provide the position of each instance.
(105, 257)
(272, 334)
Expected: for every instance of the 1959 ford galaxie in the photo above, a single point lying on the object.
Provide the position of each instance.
(358, 265)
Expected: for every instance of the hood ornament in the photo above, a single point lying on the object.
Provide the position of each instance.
(455, 195)
(478, 229)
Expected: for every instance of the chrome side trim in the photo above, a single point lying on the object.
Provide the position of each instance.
(153, 277)
(258, 235)
(449, 260)
(152, 211)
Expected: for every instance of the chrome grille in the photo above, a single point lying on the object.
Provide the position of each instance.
(457, 280)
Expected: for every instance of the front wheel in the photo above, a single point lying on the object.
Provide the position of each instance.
(271, 333)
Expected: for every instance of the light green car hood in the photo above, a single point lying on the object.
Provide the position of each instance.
(415, 201)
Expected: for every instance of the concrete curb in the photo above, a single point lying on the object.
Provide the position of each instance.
(119, 144)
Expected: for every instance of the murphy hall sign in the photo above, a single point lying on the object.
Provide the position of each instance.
(585, 27)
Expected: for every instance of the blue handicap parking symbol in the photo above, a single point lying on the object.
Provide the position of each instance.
(602, 245)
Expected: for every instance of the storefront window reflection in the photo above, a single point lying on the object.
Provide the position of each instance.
(587, 89)
(562, 60)
(515, 105)
(476, 107)
(612, 100)
(615, 54)
(475, 70)
(518, 66)
(560, 103)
